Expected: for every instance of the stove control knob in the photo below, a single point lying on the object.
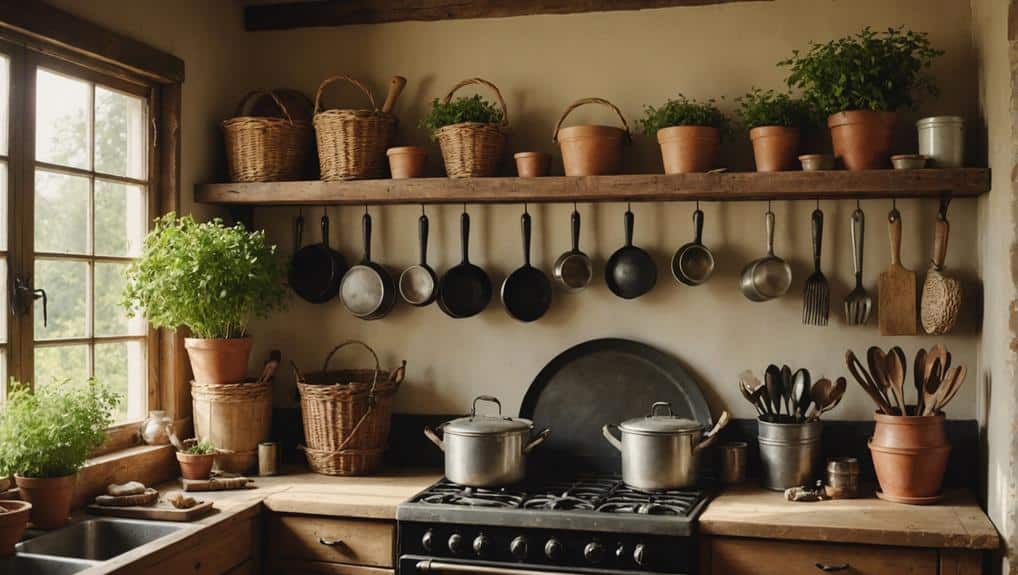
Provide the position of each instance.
(640, 555)
(456, 544)
(594, 552)
(518, 548)
(428, 541)
(482, 545)
(620, 552)
(553, 549)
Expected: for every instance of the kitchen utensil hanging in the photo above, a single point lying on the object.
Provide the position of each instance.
(858, 303)
(367, 290)
(897, 294)
(465, 289)
(316, 269)
(816, 294)
(631, 271)
(418, 284)
(573, 269)
(941, 295)
(769, 277)
(693, 263)
(526, 293)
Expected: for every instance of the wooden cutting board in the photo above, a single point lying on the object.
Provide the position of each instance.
(897, 288)
(158, 512)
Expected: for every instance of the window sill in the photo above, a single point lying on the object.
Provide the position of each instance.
(149, 464)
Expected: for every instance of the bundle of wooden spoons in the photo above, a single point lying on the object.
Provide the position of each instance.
(936, 382)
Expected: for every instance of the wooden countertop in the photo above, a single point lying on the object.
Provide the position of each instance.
(955, 522)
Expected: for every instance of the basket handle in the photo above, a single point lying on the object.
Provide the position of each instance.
(583, 102)
(483, 82)
(255, 95)
(378, 364)
(361, 87)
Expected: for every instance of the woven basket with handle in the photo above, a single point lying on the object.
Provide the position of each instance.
(473, 149)
(266, 148)
(351, 143)
(347, 414)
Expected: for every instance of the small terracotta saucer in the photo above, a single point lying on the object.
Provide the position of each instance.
(910, 500)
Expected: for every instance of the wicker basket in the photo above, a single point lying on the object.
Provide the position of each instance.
(347, 415)
(473, 149)
(264, 148)
(235, 417)
(351, 143)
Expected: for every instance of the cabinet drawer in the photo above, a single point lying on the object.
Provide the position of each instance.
(314, 538)
(738, 556)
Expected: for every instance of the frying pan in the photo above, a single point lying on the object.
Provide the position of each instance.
(316, 269)
(768, 277)
(418, 283)
(465, 289)
(573, 269)
(367, 290)
(693, 263)
(526, 293)
(630, 272)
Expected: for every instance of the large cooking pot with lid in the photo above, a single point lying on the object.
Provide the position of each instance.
(486, 450)
(660, 451)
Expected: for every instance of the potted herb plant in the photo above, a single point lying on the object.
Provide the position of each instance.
(860, 82)
(212, 279)
(470, 131)
(196, 460)
(688, 131)
(774, 121)
(13, 520)
(45, 437)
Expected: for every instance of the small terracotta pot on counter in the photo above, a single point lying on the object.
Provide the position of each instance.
(775, 148)
(862, 138)
(195, 466)
(686, 149)
(532, 164)
(909, 456)
(406, 162)
(216, 361)
(13, 519)
(50, 498)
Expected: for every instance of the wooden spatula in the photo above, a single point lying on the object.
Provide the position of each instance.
(897, 300)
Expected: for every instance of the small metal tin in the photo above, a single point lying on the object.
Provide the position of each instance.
(268, 458)
(733, 462)
(843, 478)
(816, 162)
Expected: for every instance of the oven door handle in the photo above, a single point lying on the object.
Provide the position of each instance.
(430, 566)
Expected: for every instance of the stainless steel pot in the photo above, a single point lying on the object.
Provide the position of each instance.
(659, 452)
(486, 450)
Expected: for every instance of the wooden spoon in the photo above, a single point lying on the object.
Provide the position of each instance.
(954, 380)
(866, 382)
(931, 387)
(895, 373)
(829, 394)
(877, 361)
(786, 389)
(747, 382)
(773, 381)
(917, 376)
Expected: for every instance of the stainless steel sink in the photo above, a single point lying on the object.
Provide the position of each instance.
(35, 565)
(97, 539)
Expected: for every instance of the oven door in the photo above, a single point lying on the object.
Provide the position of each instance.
(423, 565)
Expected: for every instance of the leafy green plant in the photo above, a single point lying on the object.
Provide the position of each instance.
(50, 433)
(472, 109)
(683, 111)
(209, 277)
(881, 71)
(769, 108)
(203, 447)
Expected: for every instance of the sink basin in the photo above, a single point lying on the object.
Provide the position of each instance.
(97, 539)
(31, 565)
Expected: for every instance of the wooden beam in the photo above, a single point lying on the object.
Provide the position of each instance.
(346, 12)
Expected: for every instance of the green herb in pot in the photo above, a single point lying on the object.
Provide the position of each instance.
(769, 108)
(683, 111)
(203, 447)
(461, 110)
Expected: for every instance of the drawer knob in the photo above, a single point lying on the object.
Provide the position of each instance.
(832, 566)
(338, 542)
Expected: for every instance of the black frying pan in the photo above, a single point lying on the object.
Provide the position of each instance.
(316, 270)
(526, 293)
(630, 272)
(465, 290)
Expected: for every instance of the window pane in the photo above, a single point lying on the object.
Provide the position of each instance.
(120, 218)
(4, 183)
(65, 283)
(5, 102)
(120, 134)
(3, 304)
(110, 316)
(61, 213)
(62, 120)
(123, 366)
(58, 363)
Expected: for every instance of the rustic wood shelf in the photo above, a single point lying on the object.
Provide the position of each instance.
(727, 186)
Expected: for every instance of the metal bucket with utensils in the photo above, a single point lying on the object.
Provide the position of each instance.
(789, 453)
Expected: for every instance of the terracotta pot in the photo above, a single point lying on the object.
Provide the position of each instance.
(687, 149)
(895, 431)
(862, 138)
(406, 162)
(532, 164)
(195, 466)
(775, 148)
(13, 519)
(591, 150)
(50, 498)
(909, 455)
(216, 361)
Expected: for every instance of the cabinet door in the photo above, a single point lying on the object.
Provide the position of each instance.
(740, 556)
(366, 542)
(294, 567)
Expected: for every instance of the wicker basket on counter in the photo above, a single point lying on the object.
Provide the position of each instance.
(473, 149)
(262, 148)
(351, 143)
(347, 414)
(235, 418)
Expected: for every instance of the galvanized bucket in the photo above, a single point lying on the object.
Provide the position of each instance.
(790, 453)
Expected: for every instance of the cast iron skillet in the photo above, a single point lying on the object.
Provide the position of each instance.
(368, 291)
(526, 293)
(465, 289)
(316, 269)
(630, 272)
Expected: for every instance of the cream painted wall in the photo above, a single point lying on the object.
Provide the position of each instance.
(542, 63)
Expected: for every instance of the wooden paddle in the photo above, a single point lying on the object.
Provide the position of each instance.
(897, 300)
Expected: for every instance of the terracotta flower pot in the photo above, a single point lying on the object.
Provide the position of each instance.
(50, 498)
(216, 361)
(775, 148)
(13, 518)
(591, 150)
(862, 138)
(687, 149)
(532, 164)
(406, 162)
(909, 456)
(195, 466)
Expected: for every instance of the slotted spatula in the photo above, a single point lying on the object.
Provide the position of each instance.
(816, 293)
(897, 308)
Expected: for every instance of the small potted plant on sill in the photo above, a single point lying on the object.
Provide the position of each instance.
(211, 278)
(859, 82)
(45, 437)
(774, 121)
(196, 459)
(13, 520)
(688, 131)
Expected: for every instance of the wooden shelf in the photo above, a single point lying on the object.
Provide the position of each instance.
(728, 186)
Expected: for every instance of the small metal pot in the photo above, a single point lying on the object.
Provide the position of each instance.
(486, 450)
(659, 452)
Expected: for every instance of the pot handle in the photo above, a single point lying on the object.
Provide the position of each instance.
(605, 431)
(713, 433)
(488, 398)
(537, 440)
(430, 434)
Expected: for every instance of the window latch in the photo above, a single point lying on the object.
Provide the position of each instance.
(25, 295)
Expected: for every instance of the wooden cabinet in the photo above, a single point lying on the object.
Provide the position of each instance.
(345, 546)
(227, 549)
